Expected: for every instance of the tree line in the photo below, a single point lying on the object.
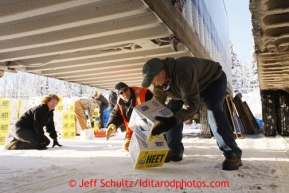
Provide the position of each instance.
(24, 85)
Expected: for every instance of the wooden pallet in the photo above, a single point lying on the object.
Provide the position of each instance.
(233, 113)
(248, 120)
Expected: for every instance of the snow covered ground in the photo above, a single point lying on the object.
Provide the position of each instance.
(101, 166)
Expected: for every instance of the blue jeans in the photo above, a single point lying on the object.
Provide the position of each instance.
(174, 135)
(214, 97)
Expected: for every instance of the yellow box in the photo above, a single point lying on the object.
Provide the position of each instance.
(4, 115)
(59, 107)
(3, 138)
(4, 103)
(9, 103)
(65, 134)
(72, 133)
(146, 155)
(71, 107)
(68, 125)
(68, 116)
(143, 120)
(8, 115)
(4, 127)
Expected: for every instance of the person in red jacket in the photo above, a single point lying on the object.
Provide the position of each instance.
(128, 98)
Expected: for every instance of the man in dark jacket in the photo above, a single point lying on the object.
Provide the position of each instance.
(129, 97)
(186, 80)
(112, 100)
(103, 105)
(29, 128)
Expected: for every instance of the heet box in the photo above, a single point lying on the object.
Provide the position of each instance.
(145, 155)
(143, 120)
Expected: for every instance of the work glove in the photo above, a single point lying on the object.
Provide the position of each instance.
(110, 130)
(125, 144)
(55, 142)
(92, 124)
(166, 123)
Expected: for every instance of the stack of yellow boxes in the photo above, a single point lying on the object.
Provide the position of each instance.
(8, 117)
(64, 119)
(147, 150)
(68, 125)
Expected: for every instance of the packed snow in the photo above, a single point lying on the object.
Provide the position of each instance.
(102, 166)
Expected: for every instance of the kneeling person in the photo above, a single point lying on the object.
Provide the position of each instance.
(29, 132)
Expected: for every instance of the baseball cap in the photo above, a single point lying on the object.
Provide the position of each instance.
(119, 86)
(150, 69)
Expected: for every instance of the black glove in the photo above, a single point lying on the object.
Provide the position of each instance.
(55, 142)
(92, 124)
(165, 124)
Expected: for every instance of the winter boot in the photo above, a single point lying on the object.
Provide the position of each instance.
(231, 163)
(12, 145)
(173, 157)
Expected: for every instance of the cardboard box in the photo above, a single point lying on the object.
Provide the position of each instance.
(87, 134)
(9, 103)
(68, 116)
(4, 127)
(65, 133)
(68, 125)
(145, 155)
(143, 120)
(72, 133)
(3, 138)
(59, 107)
(7, 115)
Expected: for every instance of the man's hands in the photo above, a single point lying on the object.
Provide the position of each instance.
(165, 124)
(55, 142)
(110, 130)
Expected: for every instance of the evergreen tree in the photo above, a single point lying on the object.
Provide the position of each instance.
(254, 69)
(245, 76)
(236, 71)
(24, 85)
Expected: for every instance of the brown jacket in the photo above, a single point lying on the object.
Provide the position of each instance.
(189, 77)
